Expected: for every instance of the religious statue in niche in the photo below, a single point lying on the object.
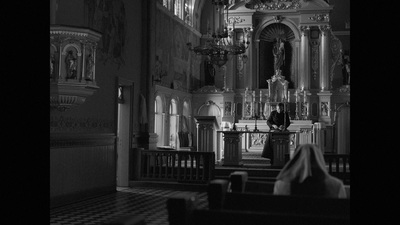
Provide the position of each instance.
(279, 55)
(70, 63)
(89, 67)
(324, 108)
(346, 67)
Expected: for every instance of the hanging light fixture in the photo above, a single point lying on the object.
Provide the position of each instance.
(221, 42)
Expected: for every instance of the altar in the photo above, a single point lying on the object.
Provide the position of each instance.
(233, 149)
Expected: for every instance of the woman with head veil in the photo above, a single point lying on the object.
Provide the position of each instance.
(306, 174)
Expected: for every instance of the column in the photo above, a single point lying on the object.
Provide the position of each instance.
(304, 59)
(324, 59)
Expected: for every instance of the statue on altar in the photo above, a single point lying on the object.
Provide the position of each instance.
(279, 54)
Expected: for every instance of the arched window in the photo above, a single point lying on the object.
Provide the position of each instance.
(158, 121)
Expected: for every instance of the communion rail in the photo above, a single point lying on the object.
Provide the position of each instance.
(180, 166)
(338, 165)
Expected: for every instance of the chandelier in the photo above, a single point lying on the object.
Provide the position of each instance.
(220, 42)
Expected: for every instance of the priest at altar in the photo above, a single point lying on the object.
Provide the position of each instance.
(278, 121)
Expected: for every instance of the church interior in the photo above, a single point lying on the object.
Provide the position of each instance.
(149, 99)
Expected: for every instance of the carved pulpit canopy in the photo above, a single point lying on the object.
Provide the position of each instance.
(72, 65)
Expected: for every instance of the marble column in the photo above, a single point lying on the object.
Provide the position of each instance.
(304, 78)
(324, 59)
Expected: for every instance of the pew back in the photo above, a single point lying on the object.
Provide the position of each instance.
(305, 205)
(233, 217)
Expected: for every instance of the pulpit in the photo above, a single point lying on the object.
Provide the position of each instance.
(207, 127)
(280, 146)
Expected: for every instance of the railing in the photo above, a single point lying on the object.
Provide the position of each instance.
(338, 165)
(181, 166)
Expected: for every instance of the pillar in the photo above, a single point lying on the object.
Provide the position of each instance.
(324, 59)
(304, 78)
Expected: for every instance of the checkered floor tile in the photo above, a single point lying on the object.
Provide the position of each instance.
(150, 202)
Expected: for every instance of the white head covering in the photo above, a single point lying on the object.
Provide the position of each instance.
(307, 160)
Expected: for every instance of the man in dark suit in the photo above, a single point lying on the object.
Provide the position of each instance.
(278, 120)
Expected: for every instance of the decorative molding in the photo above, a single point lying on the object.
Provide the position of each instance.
(81, 140)
(276, 5)
(278, 18)
(324, 29)
(304, 30)
(235, 20)
(320, 17)
(60, 124)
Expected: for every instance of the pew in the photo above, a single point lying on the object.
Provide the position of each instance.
(234, 217)
(127, 220)
(239, 183)
(255, 208)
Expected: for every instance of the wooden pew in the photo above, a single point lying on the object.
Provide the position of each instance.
(252, 208)
(239, 183)
(234, 217)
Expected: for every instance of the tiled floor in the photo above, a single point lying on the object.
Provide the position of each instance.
(150, 202)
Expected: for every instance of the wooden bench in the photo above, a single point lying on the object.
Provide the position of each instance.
(254, 208)
(239, 183)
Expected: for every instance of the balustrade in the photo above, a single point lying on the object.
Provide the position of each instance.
(181, 166)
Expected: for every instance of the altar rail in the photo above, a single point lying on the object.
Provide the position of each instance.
(180, 166)
(338, 165)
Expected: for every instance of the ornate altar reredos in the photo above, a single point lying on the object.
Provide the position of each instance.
(292, 58)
